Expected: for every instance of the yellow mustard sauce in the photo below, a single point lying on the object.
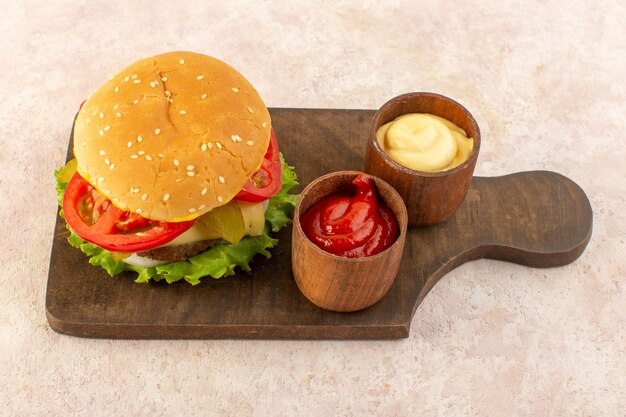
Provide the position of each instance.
(425, 142)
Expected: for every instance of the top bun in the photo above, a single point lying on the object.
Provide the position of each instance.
(172, 136)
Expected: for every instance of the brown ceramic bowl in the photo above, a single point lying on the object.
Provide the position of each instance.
(344, 284)
(430, 197)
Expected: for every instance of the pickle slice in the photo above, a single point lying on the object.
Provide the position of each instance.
(225, 221)
(66, 173)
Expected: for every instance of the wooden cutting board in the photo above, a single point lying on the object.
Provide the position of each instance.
(539, 219)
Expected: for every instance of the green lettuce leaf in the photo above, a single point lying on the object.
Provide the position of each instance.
(218, 261)
(281, 206)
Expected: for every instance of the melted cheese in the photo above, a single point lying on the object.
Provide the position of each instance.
(253, 218)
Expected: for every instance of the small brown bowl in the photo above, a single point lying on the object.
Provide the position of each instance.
(344, 284)
(430, 197)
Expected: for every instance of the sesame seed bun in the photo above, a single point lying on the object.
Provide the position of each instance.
(172, 136)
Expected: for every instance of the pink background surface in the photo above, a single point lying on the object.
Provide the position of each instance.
(546, 82)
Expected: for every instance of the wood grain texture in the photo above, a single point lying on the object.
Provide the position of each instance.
(343, 284)
(539, 219)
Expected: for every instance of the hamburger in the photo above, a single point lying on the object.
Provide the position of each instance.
(176, 173)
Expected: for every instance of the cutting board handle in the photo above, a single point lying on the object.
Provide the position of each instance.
(536, 218)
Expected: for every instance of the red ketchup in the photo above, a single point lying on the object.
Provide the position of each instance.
(353, 226)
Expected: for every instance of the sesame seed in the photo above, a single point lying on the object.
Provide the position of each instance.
(139, 138)
(203, 147)
(220, 199)
(235, 89)
(134, 156)
(221, 180)
(192, 210)
(183, 112)
(101, 132)
(176, 162)
(134, 76)
(170, 100)
(107, 161)
(166, 197)
(182, 62)
(250, 109)
(103, 153)
(236, 138)
(203, 96)
(130, 144)
(141, 153)
(116, 106)
(135, 101)
(168, 93)
(117, 89)
(101, 115)
(190, 173)
(112, 166)
(190, 167)
(136, 81)
(179, 179)
(202, 206)
(148, 157)
(157, 131)
(203, 192)
(144, 197)
(219, 145)
(118, 114)
(161, 155)
(209, 145)
(153, 84)
(264, 125)
(163, 79)
(88, 120)
(107, 128)
(138, 211)
(126, 79)
(250, 143)
(100, 180)
(199, 77)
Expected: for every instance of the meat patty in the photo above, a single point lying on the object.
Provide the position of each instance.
(177, 252)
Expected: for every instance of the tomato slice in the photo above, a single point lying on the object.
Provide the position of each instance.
(267, 181)
(95, 219)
